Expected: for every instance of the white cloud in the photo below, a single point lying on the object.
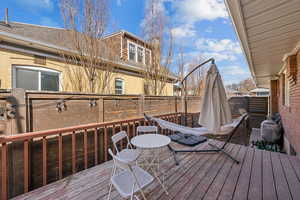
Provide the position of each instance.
(183, 31)
(219, 56)
(196, 10)
(223, 49)
(234, 70)
(219, 45)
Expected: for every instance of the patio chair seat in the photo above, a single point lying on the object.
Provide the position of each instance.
(125, 181)
(129, 155)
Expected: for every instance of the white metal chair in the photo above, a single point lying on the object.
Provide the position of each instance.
(129, 154)
(146, 129)
(127, 179)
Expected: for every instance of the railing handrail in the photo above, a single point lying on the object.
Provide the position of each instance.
(43, 133)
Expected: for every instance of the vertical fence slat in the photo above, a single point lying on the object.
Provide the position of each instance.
(44, 160)
(128, 130)
(105, 144)
(4, 172)
(133, 129)
(96, 146)
(121, 129)
(60, 156)
(113, 133)
(73, 152)
(26, 166)
(85, 149)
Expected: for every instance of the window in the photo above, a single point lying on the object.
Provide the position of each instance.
(119, 86)
(147, 57)
(285, 89)
(36, 78)
(140, 55)
(132, 52)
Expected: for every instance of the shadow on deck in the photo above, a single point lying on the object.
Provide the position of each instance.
(260, 175)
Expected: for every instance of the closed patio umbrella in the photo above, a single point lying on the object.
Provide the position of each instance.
(215, 110)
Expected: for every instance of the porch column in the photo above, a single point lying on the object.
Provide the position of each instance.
(273, 96)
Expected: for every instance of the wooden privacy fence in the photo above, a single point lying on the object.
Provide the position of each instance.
(87, 146)
(36, 111)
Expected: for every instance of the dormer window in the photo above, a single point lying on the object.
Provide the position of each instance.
(132, 52)
(140, 55)
(137, 53)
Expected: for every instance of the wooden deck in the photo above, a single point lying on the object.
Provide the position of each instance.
(260, 175)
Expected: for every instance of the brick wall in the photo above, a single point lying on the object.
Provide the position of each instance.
(291, 114)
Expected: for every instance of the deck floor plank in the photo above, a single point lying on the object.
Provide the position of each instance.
(260, 175)
(193, 178)
(219, 181)
(242, 187)
(255, 188)
(291, 177)
(282, 188)
(228, 188)
(200, 189)
(268, 186)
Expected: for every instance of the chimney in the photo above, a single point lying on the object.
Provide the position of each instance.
(6, 16)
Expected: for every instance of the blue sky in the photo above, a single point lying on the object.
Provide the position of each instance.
(201, 27)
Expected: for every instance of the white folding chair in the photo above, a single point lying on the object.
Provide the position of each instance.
(129, 154)
(127, 179)
(146, 129)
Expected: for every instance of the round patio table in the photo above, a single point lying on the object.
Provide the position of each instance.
(150, 141)
(153, 143)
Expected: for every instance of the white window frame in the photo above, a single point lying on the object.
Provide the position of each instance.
(286, 89)
(123, 85)
(136, 52)
(35, 68)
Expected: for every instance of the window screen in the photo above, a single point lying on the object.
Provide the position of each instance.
(132, 52)
(119, 86)
(50, 81)
(27, 79)
(140, 55)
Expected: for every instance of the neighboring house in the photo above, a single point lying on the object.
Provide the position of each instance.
(269, 32)
(262, 92)
(31, 58)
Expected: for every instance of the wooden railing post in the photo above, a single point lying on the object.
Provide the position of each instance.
(85, 150)
(96, 145)
(73, 152)
(60, 155)
(105, 144)
(26, 166)
(4, 174)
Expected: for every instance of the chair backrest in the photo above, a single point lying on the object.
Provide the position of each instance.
(118, 137)
(146, 129)
(119, 163)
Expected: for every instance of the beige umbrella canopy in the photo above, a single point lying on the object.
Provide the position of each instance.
(215, 110)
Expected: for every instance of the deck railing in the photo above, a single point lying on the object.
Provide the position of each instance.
(105, 128)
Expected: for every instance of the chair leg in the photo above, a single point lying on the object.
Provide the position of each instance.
(143, 195)
(110, 187)
(159, 181)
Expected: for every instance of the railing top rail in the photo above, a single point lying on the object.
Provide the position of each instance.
(37, 134)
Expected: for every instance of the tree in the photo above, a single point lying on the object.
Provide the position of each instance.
(86, 22)
(158, 35)
(195, 82)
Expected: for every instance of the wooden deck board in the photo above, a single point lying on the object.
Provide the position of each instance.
(260, 175)
(255, 187)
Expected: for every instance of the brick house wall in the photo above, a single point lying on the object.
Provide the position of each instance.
(291, 114)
